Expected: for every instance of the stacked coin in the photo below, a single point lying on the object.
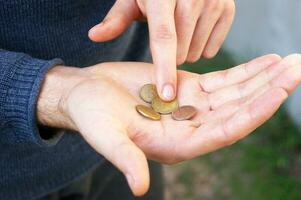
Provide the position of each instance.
(148, 93)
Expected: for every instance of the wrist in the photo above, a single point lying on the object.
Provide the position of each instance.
(51, 105)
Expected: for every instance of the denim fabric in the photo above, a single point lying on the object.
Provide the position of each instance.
(107, 183)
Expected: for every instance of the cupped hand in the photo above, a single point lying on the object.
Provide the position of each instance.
(179, 30)
(230, 104)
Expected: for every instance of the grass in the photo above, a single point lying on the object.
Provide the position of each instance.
(266, 165)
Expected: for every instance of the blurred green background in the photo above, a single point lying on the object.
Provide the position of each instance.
(265, 165)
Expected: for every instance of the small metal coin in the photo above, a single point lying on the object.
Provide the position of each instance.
(164, 107)
(148, 92)
(184, 113)
(148, 112)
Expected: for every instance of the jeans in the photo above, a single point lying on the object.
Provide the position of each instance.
(107, 183)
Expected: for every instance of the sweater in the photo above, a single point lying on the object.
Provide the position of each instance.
(34, 37)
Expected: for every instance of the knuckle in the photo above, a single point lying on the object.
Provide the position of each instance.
(191, 6)
(229, 10)
(213, 5)
(164, 33)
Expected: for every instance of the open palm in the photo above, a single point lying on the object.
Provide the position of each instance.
(230, 104)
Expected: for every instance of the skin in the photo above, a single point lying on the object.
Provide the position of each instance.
(99, 103)
(180, 30)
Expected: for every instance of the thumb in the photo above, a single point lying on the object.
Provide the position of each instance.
(116, 147)
(121, 15)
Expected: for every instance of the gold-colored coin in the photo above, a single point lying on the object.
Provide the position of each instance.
(148, 112)
(148, 92)
(164, 107)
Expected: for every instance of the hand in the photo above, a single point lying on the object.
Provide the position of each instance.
(179, 30)
(101, 106)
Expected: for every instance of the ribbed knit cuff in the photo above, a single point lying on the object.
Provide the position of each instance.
(19, 90)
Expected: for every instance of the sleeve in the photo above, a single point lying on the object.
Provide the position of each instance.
(21, 77)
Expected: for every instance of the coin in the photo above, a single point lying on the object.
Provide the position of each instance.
(148, 92)
(164, 107)
(148, 112)
(184, 113)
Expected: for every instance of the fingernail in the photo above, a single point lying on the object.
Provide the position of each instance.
(168, 92)
(130, 180)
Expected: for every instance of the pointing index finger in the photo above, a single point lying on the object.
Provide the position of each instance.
(163, 43)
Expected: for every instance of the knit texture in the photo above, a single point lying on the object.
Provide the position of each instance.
(20, 83)
(35, 36)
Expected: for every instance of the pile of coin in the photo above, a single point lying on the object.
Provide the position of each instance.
(148, 93)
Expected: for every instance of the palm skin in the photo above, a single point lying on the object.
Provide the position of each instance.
(230, 104)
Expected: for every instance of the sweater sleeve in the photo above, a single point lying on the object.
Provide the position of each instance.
(20, 81)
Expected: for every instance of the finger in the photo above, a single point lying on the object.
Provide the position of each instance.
(220, 31)
(228, 109)
(290, 79)
(212, 136)
(163, 43)
(186, 17)
(121, 15)
(115, 146)
(216, 80)
(204, 27)
(242, 90)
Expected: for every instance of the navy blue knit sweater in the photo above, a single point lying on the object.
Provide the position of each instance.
(36, 35)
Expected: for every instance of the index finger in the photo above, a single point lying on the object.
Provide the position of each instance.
(163, 44)
(213, 81)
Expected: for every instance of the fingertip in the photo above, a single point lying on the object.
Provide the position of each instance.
(168, 92)
(139, 188)
(271, 58)
(108, 30)
(94, 32)
(266, 60)
(166, 81)
(283, 94)
(137, 174)
(210, 53)
(274, 56)
(192, 58)
(181, 59)
(139, 180)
